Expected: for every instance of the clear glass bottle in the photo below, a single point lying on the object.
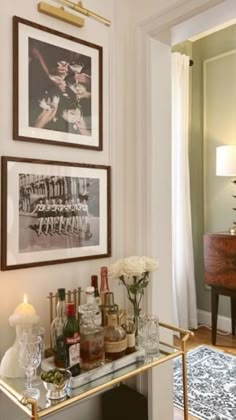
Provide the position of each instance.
(71, 334)
(104, 288)
(91, 339)
(90, 295)
(92, 304)
(114, 338)
(57, 330)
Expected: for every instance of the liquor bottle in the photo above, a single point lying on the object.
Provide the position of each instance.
(91, 339)
(57, 330)
(92, 305)
(108, 307)
(94, 283)
(71, 334)
(115, 339)
(104, 288)
(90, 295)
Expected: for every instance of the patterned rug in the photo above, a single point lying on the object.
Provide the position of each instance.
(211, 384)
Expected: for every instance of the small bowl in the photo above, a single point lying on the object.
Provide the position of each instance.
(55, 382)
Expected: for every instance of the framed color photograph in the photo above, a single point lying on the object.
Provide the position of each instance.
(57, 87)
(54, 212)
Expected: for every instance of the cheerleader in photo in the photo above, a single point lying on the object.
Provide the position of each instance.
(67, 216)
(48, 218)
(39, 208)
(78, 215)
(53, 215)
(73, 214)
(60, 216)
(84, 216)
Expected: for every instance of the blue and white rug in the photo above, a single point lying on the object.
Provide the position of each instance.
(211, 384)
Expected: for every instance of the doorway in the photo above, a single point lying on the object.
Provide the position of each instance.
(153, 113)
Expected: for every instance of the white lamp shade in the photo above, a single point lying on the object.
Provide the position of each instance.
(226, 160)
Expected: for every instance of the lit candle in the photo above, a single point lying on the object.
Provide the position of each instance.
(23, 317)
(24, 313)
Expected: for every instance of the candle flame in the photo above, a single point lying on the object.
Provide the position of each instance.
(25, 299)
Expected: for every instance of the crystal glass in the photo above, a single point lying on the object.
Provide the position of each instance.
(152, 336)
(148, 334)
(40, 332)
(29, 360)
(140, 334)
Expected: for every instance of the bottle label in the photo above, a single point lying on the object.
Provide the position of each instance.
(131, 340)
(112, 320)
(72, 340)
(74, 354)
(115, 346)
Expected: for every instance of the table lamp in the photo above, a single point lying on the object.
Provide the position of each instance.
(226, 166)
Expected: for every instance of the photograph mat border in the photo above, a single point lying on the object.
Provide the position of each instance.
(31, 134)
(11, 168)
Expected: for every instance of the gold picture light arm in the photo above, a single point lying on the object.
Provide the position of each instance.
(77, 7)
(60, 13)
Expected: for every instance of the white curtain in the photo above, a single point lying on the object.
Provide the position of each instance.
(185, 309)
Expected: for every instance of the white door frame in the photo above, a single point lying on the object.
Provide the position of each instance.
(153, 139)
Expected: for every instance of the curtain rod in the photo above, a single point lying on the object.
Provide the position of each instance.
(78, 7)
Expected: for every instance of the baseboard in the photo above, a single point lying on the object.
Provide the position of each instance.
(223, 322)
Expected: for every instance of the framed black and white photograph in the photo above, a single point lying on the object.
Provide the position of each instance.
(54, 212)
(57, 84)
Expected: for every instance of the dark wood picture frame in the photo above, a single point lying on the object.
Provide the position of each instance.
(57, 87)
(54, 212)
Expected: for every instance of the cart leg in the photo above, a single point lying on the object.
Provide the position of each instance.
(33, 403)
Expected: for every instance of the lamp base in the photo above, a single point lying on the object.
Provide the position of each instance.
(232, 230)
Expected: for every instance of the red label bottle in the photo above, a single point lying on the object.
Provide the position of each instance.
(71, 334)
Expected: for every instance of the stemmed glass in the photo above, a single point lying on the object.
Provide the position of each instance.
(29, 360)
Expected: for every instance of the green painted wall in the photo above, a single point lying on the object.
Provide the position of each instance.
(208, 47)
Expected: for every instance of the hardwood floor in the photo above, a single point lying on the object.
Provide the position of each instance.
(202, 335)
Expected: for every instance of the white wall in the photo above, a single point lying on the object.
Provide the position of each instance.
(39, 281)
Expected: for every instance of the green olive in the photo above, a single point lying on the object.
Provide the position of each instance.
(54, 376)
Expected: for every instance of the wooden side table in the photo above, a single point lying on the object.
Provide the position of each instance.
(220, 273)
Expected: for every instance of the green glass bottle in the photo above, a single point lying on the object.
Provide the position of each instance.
(71, 334)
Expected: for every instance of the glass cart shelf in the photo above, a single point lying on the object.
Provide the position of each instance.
(14, 388)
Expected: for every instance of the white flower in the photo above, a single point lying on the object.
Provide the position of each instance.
(151, 264)
(133, 267)
(116, 270)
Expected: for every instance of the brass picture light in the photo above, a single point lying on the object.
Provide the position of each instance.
(61, 14)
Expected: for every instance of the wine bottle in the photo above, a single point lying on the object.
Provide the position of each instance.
(57, 330)
(104, 288)
(94, 283)
(71, 334)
